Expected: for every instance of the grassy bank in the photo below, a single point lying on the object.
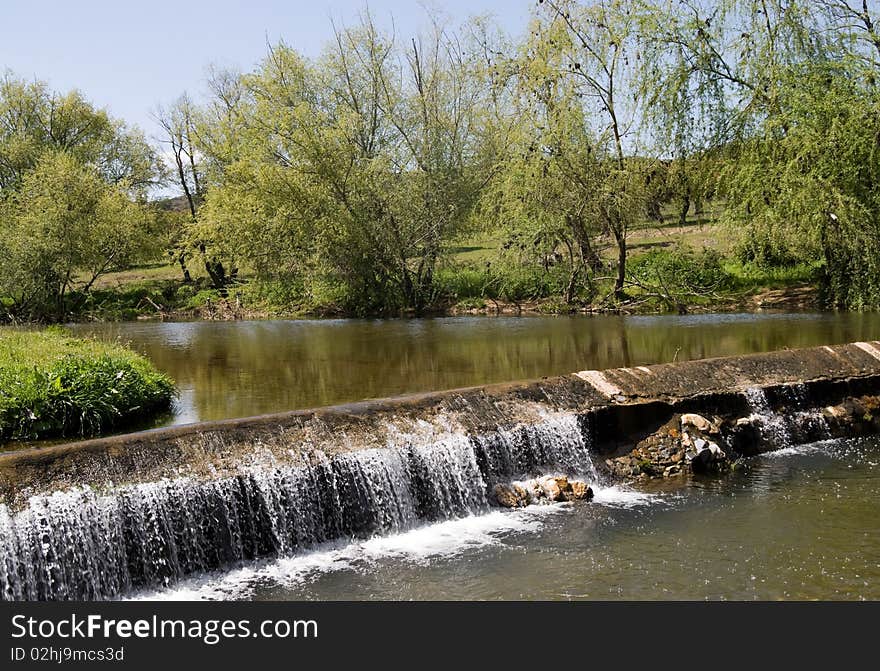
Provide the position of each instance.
(52, 384)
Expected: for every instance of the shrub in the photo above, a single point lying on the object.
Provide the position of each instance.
(54, 385)
(684, 270)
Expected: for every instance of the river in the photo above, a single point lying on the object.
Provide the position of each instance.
(238, 369)
(802, 523)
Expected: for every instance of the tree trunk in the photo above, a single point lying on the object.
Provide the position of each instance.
(181, 259)
(685, 207)
(621, 264)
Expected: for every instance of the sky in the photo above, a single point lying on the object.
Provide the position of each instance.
(131, 56)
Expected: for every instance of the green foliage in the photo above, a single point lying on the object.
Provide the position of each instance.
(55, 385)
(804, 191)
(35, 120)
(682, 271)
(342, 183)
(72, 181)
(461, 283)
(63, 229)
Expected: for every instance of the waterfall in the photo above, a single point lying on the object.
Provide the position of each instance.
(799, 423)
(89, 544)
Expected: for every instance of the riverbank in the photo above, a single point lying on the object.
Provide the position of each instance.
(175, 300)
(54, 385)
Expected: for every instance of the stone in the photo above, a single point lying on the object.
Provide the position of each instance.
(551, 488)
(669, 471)
(743, 421)
(700, 445)
(581, 491)
(506, 496)
(522, 493)
(699, 422)
(835, 411)
(710, 458)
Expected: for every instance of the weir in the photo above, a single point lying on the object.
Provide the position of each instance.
(97, 519)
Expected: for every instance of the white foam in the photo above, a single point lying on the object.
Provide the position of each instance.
(799, 450)
(621, 497)
(420, 545)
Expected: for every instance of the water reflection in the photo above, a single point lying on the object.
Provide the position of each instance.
(233, 369)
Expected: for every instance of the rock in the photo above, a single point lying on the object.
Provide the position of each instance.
(835, 411)
(699, 422)
(677, 457)
(700, 445)
(555, 487)
(669, 471)
(563, 483)
(710, 458)
(581, 491)
(506, 496)
(743, 421)
(522, 493)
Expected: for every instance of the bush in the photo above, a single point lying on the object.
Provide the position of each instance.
(684, 270)
(462, 283)
(54, 385)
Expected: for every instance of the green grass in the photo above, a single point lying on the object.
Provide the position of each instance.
(52, 384)
(751, 275)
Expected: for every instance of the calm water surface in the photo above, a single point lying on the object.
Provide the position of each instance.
(236, 369)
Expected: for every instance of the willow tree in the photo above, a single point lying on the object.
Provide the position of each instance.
(544, 196)
(791, 91)
(361, 163)
(596, 46)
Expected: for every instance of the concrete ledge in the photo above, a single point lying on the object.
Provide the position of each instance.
(624, 400)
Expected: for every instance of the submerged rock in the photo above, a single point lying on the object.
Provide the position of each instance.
(709, 458)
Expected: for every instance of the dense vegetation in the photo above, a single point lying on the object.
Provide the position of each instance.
(357, 181)
(55, 385)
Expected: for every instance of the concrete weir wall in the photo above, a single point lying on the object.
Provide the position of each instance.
(619, 407)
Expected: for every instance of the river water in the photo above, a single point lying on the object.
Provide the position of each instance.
(800, 523)
(237, 369)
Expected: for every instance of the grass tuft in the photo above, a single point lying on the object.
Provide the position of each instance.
(52, 384)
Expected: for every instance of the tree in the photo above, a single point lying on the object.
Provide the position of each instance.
(358, 166)
(596, 45)
(791, 95)
(73, 182)
(34, 119)
(64, 228)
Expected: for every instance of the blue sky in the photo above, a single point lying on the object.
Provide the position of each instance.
(129, 56)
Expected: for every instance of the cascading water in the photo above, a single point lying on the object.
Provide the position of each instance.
(86, 545)
(800, 423)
